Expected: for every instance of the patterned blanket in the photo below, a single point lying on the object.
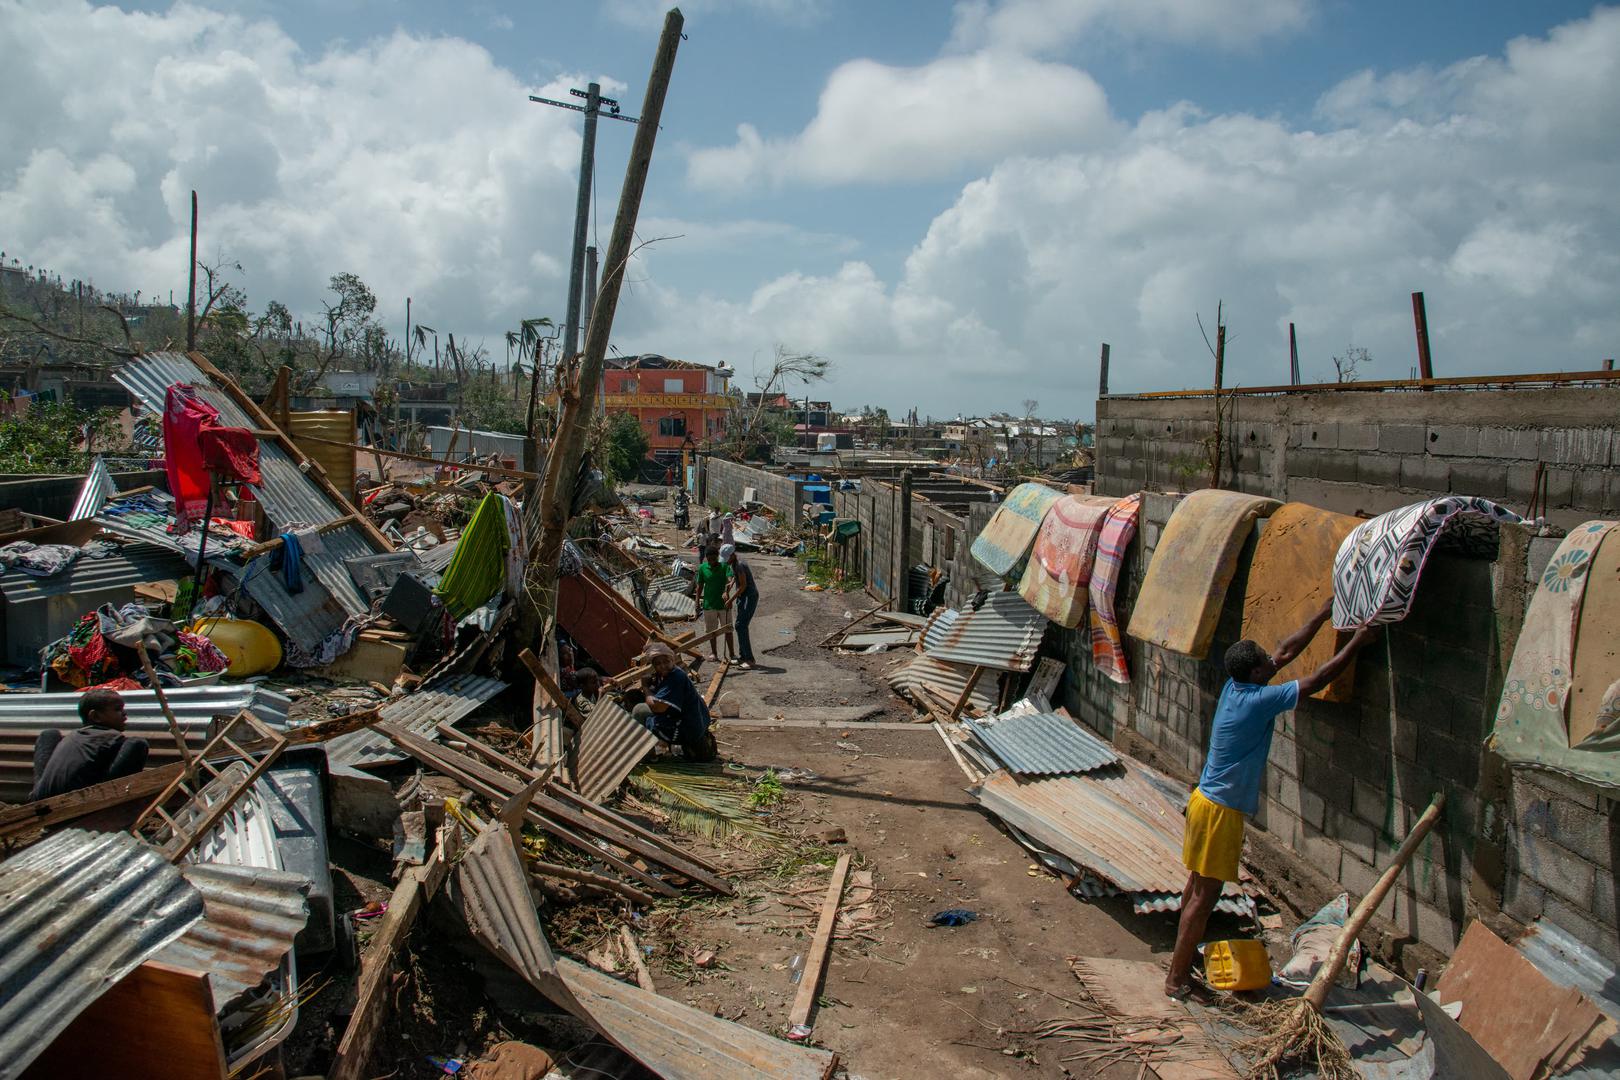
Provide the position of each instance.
(1376, 572)
(1107, 649)
(1197, 556)
(1059, 567)
(1560, 707)
(1006, 539)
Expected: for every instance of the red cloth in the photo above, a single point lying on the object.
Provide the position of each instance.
(184, 417)
(243, 529)
(231, 453)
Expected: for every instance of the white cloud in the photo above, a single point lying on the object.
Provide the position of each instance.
(1488, 185)
(879, 123)
(643, 13)
(1046, 26)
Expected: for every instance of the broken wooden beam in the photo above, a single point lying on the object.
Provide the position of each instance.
(43, 813)
(815, 957)
(585, 877)
(543, 679)
(643, 976)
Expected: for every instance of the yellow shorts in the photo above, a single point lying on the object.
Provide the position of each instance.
(1214, 838)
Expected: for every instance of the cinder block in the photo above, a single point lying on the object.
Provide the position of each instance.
(1577, 446)
(1324, 436)
(1425, 473)
(1453, 440)
(1589, 491)
(1358, 879)
(1556, 870)
(1580, 924)
(1356, 837)
(1434, 927)
(1485, 479)
(1402, 438)
(1358, 436)
(1321, 851)
(1370, 804)
(1516, 443)
(1379, 470)
(1312, 809)
(1522, 898)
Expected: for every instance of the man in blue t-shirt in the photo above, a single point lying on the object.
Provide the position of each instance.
(672, 708)
(1228, 791)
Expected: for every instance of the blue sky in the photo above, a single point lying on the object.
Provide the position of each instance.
(954, 202)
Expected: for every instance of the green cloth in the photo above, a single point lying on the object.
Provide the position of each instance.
(711, 581)
(477, 570)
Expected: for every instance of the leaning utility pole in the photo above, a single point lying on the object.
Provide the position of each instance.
(582, 207)
(548, 524)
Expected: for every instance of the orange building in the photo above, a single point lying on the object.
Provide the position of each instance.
(678, 403)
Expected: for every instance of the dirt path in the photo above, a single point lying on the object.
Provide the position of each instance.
(910, 1000)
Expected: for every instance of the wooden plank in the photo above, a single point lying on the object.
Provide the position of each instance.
(643, 976)
(577, 800)
(163, 703)
(585, 877)
(43, 813)
(625, 678)
(543, 679)
(714, 684)
(857, 619)
(156, 1023)
(815, 957)
(967, 692)
(270, 545)
(416, 886)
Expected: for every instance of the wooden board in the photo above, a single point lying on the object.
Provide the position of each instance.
(815, 957)
(1518, 1015)
(157, 1023)
(1136, 988)
(76, 804)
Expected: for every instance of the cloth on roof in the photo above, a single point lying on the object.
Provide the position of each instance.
(1376, 571)
(289, 559)
(184, 416)
(230, 453)
(1563, 684)
(1059, 572)
(1007, 537)
(1290, 577)
(477, 570)
(517, 548)
(37, 560)
(1186, 583)
(1107, 648)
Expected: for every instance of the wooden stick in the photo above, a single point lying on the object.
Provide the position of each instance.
(643, 976)
(543, 679)
(585, 877)
(862, 616)
(498, 470)
(270, 545)
(625, 678)
(416, 885)
(714, 684)
(815, 958)
(1317, 993)
(967, 692)
(163, 703)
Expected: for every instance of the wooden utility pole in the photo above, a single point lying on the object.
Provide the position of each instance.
(191, 286)
(1420, 322)
(549, 524)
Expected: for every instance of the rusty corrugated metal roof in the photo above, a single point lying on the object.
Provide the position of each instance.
(500, 909)
(1041, 743)
(78, 912)
(611, 744)
(919, 675)
(1004, 632)
(418, 712)
(250, 917)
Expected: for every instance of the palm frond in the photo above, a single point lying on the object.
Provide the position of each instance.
(700, 800)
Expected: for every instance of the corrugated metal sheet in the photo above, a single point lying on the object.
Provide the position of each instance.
(611, 744)
(865, 639)
(308, 617)
(118, 567)
(1112, 821)
(434, 559)
(922, 674)
(289, 496)
(78, 912)
(418, 713)
(98, 488)
(1233, 901)
(24, 716)
(673, 602)
(499, 908)
(1568, 962)
(1042, 743)
(1003, 633)
(250, 918)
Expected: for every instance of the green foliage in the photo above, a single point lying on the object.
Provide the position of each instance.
(625, 447)
(767, 791)
(48, 438)
(822, 571)
(701, 799)
(490, 403)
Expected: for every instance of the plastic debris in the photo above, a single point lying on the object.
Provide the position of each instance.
(957, 916)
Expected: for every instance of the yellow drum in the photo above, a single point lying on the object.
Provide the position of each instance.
(1240, 964)
(251, 647)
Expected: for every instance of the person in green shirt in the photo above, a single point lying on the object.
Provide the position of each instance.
(709, 590)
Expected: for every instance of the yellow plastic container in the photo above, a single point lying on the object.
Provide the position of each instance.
(1240, 964)
(251, 647)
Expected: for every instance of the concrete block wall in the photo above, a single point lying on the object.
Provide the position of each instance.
(727, 480)
(1372, 451)
(1563, 858)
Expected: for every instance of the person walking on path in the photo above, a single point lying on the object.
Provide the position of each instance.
(744, 599)
(94, 754)
(709, 590)
(1228, 790)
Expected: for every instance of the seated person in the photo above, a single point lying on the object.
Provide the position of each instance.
(673, 709)
(93, 754)
(587, 688)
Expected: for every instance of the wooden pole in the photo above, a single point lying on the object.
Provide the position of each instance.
(1420, 322)
(567, 449)
(1293, 357)
(967, 692)
(191, 282)
(163, 703)
(543, 679)
(1102, 372)
(1317, 993)
(815, 957)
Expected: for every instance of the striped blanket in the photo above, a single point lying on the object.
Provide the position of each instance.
(1107, 647)
(1059, 567)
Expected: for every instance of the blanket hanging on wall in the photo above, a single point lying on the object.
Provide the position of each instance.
(1197, 555)
(1060, 563)
(1006, 539)
(1376, 572)
(1289, 580)
(1107, 649)
(1560, 707)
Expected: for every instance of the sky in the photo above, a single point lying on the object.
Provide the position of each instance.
(955, 203)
